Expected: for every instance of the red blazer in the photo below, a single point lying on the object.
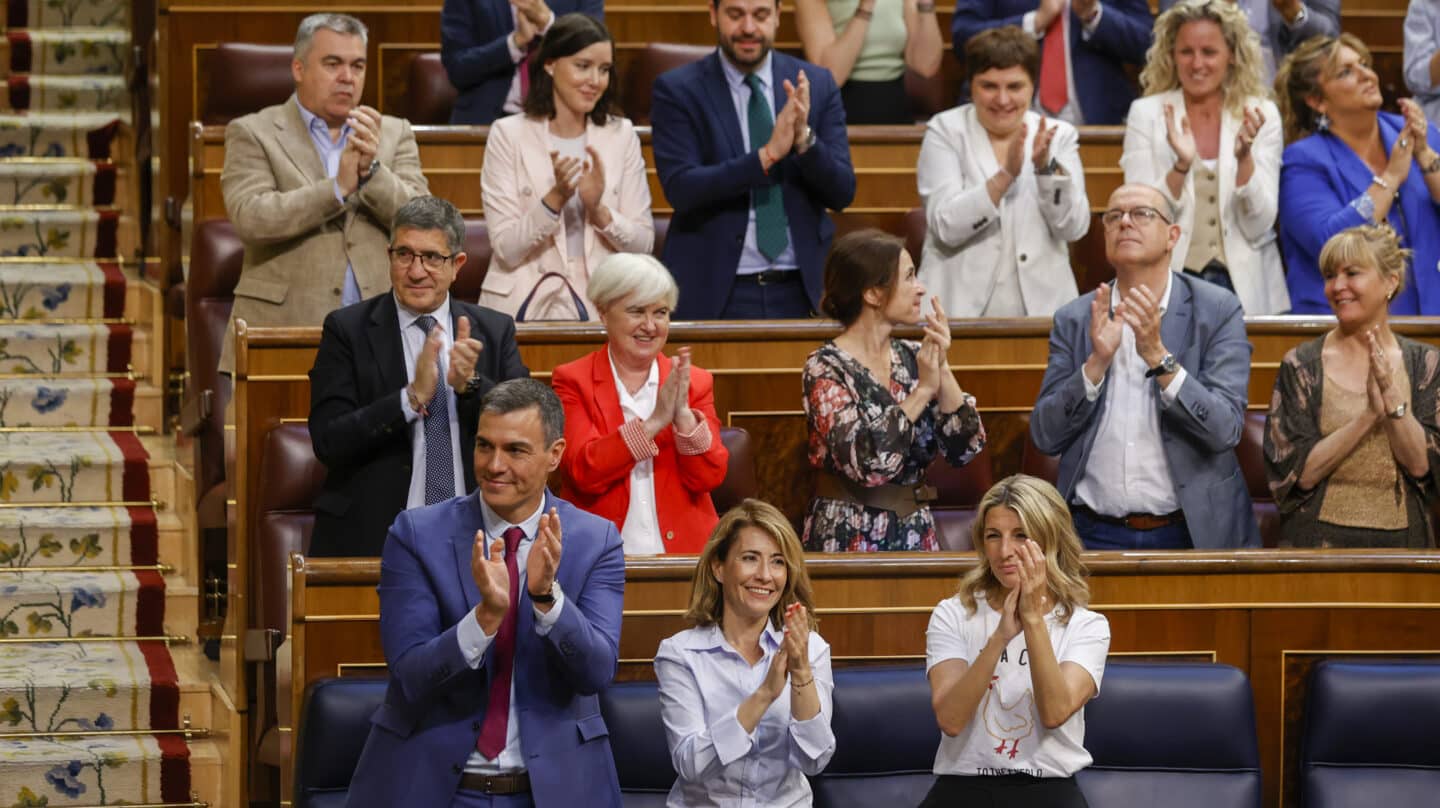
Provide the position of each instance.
(596, 464)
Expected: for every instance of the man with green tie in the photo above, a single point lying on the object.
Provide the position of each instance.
(751, 150)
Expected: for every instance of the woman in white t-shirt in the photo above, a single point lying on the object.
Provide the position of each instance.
(745, 695)
(1013, 656)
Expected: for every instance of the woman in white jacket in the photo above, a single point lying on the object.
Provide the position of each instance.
(1003, 189)
(1207, 135)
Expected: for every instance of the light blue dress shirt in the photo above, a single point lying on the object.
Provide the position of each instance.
(703, 681)
(751, 259)
(474, 642)
(329, 151)
(413, 341)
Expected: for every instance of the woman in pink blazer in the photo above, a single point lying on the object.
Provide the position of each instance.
(563, 182)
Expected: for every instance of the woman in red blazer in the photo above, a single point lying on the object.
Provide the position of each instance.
(642, 441)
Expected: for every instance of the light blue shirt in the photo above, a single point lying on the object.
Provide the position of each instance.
(1422, 37)
(751, 259)
(413, 341)
(474, 642)
(329, 151)
(703, 681)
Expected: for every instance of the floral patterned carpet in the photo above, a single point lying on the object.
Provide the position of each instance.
(94, 578)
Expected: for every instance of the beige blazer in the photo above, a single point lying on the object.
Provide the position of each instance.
(298, 236)
(528, 241)
(1247, 214)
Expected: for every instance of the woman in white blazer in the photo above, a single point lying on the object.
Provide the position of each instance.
(1208, 136)
(1003, 189)
(563, 181)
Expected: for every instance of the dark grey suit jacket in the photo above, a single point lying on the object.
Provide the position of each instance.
(1205, 328)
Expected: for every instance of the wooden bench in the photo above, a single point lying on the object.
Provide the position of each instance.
(1272, 614)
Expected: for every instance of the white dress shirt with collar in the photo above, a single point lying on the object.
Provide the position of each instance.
(474, 642)
(703, 681)
(1127, 471)
(753, 261)
(641, 532)
(413, 340)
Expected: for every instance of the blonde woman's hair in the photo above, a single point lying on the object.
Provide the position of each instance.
(707, 598)
(1298, 78)
(1371, 245)
(1047, 522)
(1243, 81)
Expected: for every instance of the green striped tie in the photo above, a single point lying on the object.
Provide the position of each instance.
(770, 222)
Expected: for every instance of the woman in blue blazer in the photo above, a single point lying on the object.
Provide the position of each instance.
(1350, 164)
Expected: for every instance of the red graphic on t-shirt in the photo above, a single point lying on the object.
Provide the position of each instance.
(1007, 723)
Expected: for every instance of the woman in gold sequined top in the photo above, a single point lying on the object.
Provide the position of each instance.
(1352, 437)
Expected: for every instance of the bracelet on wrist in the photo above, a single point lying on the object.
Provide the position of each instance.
(797, 685)
(1181, 171)
(1432, 167)
(864, 13)
(1382, 182)
(925, 8)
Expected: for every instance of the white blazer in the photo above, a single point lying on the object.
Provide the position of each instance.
(528, 241)
(964, 230)
(1247, 214)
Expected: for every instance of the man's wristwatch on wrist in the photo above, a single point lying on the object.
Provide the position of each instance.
(807, 141)
(548, 597)
(1399, 412)
(367, 174)
(1167, 365)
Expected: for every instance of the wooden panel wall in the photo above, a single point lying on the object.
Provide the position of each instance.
(1269, 613)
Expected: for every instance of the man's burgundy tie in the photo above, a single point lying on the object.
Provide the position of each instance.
(497, 711)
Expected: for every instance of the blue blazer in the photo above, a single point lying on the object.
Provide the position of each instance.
(1097, 65)
(707, 176)
(1205, 329)
(1319, 179)
(431, 718)
(475, 50)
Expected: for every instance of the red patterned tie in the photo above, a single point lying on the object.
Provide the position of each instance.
(497, 711)
(1054, 90)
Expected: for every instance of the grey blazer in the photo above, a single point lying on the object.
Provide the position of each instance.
(1205, 329)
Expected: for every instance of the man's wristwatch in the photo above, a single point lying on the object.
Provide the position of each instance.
(548, 597)
(1398, 412)
(807, 141)
(369, 172)
(1167, 366)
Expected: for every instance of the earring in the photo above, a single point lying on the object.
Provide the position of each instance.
(1322, 123)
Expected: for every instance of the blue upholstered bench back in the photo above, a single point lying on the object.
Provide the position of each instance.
(1371, 735)
(1172, 735)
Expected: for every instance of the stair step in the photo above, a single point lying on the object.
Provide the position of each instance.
(69, 52)
(36, 606)
(82, 537)
(102, 770)
(89, 136)
(70, 233)
(55, 467)
(37, 401)
(113, 686)
(108, 14)
(43, 93)
(74, 349)
(73, 290)
(78, 183)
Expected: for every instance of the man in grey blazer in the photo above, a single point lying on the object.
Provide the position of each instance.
(1144, 396)
(312, 184)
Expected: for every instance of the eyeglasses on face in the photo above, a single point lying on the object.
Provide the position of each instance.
(1142, 215)
(404, 256)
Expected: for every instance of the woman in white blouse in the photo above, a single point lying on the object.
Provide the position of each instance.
(1014, 656)
(1208, 136)
(746, 694)
(563, 181)
(1003, 189)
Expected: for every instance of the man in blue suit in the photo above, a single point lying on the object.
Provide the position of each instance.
(751, 149)
(498, 641)
(1144, 396)
(484, 45)
(1098, 40)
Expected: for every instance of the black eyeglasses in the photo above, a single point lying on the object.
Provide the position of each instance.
(404, 256)
(1140, 216)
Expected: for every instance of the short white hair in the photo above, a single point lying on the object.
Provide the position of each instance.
(626, 274)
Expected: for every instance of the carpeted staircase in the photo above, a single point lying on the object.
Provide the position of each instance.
(105, 699)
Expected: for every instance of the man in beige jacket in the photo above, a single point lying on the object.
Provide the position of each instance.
(312, 184)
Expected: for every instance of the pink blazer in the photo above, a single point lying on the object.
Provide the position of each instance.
(528, 241)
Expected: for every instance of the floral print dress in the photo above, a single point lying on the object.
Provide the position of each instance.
(859, 432)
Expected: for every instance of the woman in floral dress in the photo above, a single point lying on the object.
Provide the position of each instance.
(879, 409)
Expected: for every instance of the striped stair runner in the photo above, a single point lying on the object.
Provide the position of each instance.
(104, 696)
